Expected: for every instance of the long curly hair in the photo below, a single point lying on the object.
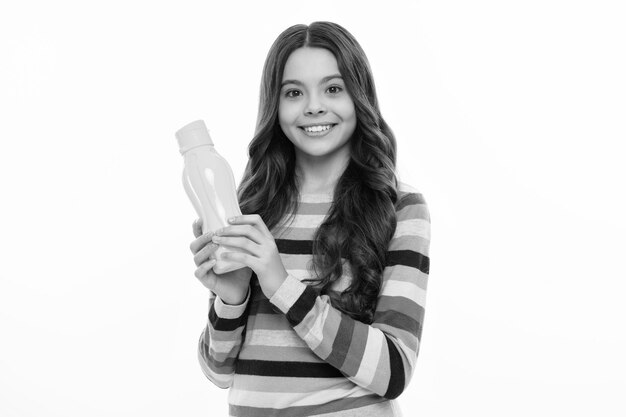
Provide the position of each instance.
(362, 217)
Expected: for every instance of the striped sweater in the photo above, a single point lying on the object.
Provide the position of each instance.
(296, 355)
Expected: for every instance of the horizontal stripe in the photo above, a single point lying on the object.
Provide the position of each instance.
(412, 227)
(401, 272)
(307, 221)
(400, 304)
(332, 406)
(278, 353)
(300, 233)
(398, 320)
(404, 273)
(222, 347)
(263, 306)
(280, 400)
(292, 369)
(273, 321)
(316, 198)
(294, 247)
(413, 211)
(271, 338)
(412, 242)
(284, 384)
(409, 258)
(392, 288)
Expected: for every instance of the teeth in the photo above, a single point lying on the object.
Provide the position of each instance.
(317, 128)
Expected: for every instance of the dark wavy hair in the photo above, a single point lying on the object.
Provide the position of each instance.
(362, 218)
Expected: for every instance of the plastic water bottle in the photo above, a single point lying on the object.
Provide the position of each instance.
(210, 185)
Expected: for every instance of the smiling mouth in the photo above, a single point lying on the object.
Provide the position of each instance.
(318, 128)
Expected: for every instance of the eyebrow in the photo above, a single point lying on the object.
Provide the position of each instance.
(325, 79)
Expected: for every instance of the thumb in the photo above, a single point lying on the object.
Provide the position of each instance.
(197, 227)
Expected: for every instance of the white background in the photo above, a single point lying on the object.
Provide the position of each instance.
(509, 116)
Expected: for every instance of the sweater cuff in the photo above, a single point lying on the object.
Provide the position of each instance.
(229, 311)
(288, 293)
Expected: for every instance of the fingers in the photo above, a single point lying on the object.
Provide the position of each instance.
(202, 273)
(205, 253)
(247, 230)
(199, 243)
(238, 242)
(204, 268)
(197, 227)
(243, 258)
(253, 219)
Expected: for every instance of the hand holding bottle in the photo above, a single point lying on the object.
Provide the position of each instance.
(231, 287)
(255, 248)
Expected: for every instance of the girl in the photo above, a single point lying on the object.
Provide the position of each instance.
(326, 318)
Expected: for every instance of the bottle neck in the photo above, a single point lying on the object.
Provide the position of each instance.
(202, 145)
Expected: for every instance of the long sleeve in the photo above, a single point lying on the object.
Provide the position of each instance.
(221, 340)
(381, 356)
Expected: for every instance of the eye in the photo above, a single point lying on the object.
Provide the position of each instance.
(293, 93)
(334, 89)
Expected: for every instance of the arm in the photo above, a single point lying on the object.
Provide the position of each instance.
(381, 356)
(221, 340)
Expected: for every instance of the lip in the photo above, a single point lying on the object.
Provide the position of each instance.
(317, 124)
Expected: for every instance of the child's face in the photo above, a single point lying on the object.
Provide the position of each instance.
(315, 110)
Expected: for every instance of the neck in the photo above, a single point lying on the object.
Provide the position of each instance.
(319, 177)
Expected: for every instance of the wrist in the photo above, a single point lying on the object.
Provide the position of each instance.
(236, 301)
(271, 285)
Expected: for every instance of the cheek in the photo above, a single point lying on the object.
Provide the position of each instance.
(346, 108)
(285, 118)
(348, 113)
(287, 112)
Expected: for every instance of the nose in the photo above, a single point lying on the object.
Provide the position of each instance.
(314, 106)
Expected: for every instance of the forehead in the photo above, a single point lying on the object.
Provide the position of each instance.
(310, 64)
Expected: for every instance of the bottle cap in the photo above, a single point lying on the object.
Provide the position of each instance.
(192, 135)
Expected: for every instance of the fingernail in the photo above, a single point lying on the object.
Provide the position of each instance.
(231, 220)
